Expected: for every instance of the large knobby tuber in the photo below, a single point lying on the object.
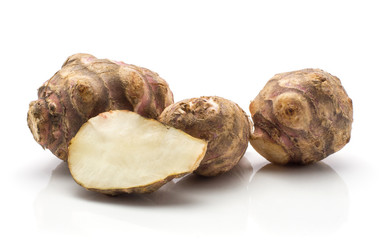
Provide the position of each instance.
(86, 86)
(301, 117)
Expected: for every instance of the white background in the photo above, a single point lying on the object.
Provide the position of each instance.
(224, 48)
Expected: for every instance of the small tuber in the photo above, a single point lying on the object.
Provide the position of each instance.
(122, 152)
(301, 117)
(86, 86)
(221, 122)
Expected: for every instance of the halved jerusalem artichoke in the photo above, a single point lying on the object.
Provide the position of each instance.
(123, 152)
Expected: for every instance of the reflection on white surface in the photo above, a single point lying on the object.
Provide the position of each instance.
(276, 199)
(193, 204)
(304, 200)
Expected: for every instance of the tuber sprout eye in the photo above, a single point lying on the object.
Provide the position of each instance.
(289, 111)
(292, 110)
(52, 108)
(84, 90)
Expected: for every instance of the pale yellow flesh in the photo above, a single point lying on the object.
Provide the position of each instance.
(121, 150)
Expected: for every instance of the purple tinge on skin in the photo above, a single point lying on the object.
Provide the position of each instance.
(86, 86)
(305, 113)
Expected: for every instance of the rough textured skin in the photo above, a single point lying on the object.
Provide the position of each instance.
(221, 122)
(301, 117)
(86, 86)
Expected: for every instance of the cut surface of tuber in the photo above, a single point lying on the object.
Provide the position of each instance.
(122, 152)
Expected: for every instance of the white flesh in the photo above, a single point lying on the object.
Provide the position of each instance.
(122, 150)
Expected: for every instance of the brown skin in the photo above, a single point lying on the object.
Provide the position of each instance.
(301, 117)
(86, 86)
(139, 190)
(221, 122)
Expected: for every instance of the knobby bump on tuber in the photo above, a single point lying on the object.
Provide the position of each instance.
(86, 86)
(122, 152)
(221, 122)
(301, 117)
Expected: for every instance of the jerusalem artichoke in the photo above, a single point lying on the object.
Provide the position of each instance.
(221, 122)
(301, 117)
(86, 86)
(121, 152)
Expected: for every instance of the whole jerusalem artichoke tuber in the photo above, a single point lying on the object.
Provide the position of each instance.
(86, 86)
(301, 117)
(221, 122)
